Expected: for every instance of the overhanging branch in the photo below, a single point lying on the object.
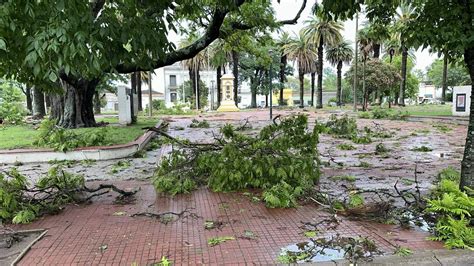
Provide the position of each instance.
(211, 34)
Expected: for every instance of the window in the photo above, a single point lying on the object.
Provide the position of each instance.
(172, 80)
(173, 97)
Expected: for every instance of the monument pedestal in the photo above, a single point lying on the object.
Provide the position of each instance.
(227, 95)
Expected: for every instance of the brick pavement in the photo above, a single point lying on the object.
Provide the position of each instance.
(76, 235)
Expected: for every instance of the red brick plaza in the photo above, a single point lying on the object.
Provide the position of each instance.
(104, 232)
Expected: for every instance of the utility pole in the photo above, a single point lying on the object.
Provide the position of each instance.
(354, 86)
(150, 97)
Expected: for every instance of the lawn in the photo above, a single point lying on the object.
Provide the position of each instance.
(429, 109)
(23, 136)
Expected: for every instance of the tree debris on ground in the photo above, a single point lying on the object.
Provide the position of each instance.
(22, 202)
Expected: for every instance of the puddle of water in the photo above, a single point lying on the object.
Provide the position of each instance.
(308, 252)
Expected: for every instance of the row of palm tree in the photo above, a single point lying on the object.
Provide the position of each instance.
(307, 50)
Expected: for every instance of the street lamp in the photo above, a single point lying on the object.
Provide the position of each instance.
(271, 92)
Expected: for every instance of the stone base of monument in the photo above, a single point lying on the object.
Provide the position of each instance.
(228, 106)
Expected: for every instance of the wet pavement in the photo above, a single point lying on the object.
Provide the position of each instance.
(95, 234)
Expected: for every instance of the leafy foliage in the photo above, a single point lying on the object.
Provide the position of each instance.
(383, 113)
(346, 147)
(218, 240)
(453, 209)
(199, 124)
(282, 160)
(11, 106)
(20, 207)
(62, 139)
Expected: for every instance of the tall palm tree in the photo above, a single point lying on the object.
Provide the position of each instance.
(281, 42)
(337, 56)
(194, 65)
(405, 14)
(377, 33)
(321, 32)
(365, 47)
(219, 56)
(299, 49)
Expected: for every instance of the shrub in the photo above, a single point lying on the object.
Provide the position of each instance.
(199, 124)
(11, 106)
(453, 210)
(381, 149)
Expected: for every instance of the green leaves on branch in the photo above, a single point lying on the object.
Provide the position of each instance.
(453, 209)
(61, 139)
(282, 160)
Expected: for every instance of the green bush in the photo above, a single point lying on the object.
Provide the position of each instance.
(199, 124)
(345, 147)
(12, 110)
(343, 127)
(61, 139)
(158, 104)
(282, 160)
(453, 210)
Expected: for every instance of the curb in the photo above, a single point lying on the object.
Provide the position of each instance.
(98, 153)
(457, 120)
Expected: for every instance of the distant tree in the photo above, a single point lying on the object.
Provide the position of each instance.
(322, 31)
(300, 50)
(338, 55)
(457, 75)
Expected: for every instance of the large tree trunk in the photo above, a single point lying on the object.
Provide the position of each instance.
(235, 72)
(376, 50)
(47, 100)
(29, 100)
(283, 62)
(313, 77)
(96, 103)
(401, 96)
(467, 164)
(320, 74)
(301, 77)
(219, 75)
(338, 84)
(194, 77)
(139, 90)
(39, 110)
(444, 85)
(74, 108)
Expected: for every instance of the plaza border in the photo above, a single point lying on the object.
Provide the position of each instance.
(98, 153)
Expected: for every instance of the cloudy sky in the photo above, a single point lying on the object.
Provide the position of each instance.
(287, 9)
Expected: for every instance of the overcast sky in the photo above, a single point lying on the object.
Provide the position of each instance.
(287, 9)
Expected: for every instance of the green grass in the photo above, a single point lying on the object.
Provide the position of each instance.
(22, 136)
(429, 110)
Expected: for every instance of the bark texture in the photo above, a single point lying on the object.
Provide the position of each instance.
(467, 164)
(401, 95)
(320, 74)
(445, 76)
(301, 78)
(74, 107)
(39, 110)
(313, 78)
(235, 72)
(338, 84)
(219, 75)
(283, 63)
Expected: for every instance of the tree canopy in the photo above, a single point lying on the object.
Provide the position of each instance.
(457, 74)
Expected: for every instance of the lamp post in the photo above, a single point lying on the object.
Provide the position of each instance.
(271, 92)
(150, 97)
(212, 94)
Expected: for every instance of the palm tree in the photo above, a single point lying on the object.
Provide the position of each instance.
(219, 57)
(365, 47)
(281, 42)
(322, 31)
(377, 33)
(299, 49)
(404, 15)
(194, 65)
(338, 55)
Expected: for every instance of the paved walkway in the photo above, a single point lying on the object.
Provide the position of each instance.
(104, 233)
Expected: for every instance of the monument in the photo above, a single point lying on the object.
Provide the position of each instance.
(227, 94)
(126, 112)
